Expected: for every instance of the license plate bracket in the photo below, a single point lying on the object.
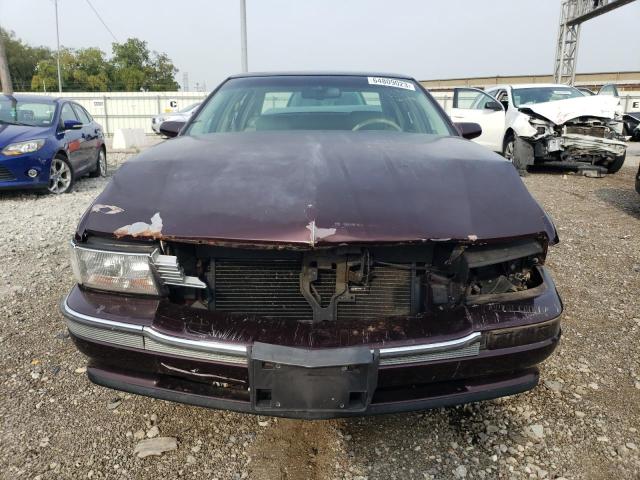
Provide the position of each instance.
(301, 380)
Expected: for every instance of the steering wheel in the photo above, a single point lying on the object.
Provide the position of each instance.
(380, 120)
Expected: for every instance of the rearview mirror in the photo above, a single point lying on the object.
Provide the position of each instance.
(321, 93)
(72, 125)
(171, 128)
(493, 105)
(469, 130)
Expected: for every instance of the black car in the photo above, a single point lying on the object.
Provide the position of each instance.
(631, 123)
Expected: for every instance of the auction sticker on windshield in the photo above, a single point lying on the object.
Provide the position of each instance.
(391, 82)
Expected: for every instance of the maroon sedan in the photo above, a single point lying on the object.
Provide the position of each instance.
(313, 246)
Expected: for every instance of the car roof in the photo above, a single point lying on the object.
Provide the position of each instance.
(27, 97)
(322, 74)
(528, 85)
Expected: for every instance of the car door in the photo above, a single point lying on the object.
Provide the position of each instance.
(73, 140)
(474, 105)
(609, 89)
(90, 143)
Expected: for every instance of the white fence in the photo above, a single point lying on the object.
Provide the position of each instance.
(114, 110)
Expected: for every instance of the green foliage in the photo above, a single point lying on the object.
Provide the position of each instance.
(132, 67)
(135, 68)
(22, 59)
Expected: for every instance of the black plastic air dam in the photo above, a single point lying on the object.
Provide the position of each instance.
(476, 390)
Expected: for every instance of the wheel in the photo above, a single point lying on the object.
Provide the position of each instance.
(616, 165)
(509, 147)
(60, 175)
(101, 165)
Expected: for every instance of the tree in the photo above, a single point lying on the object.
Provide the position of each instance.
(135, 68)
(23, 59)
(132, 67)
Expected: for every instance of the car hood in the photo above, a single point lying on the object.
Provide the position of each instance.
(19, 133)
(561, 111)
(316, 188)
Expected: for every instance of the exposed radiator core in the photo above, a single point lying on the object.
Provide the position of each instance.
(271, 289)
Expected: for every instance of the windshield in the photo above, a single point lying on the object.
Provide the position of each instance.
(531, 96)
(189, 108)
(32, 113)
(319, 103)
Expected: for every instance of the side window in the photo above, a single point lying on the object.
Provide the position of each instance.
(67, 113)
(86, 113)
(469, 98)
(609, 89)
(81, 114)
(503, 98)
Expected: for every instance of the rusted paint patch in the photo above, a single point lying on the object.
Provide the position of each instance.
(318, 233)
(142, 229)
(106, 209)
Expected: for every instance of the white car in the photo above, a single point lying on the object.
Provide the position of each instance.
(537, 123)
(181, 116)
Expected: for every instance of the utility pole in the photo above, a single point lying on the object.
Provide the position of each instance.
(243, 35)
(5, 76)
(58, 42)
(573, 13)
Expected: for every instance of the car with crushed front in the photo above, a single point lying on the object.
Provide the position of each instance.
(314, 246)
(551, 124)
(48, 143)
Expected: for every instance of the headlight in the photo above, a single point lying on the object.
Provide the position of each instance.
(115, 271)
(23, 147)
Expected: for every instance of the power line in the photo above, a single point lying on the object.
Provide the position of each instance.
(101, 20)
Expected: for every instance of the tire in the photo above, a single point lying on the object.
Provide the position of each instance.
(616, 165)
(508, 147)
(61, 177)
(101, 165)
(508, 151)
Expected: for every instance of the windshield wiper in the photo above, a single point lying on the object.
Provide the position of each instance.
(16, 123)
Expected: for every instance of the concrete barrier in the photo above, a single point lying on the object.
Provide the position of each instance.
(126, 138)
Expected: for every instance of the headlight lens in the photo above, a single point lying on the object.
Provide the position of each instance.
(114, 271)
(23, 147)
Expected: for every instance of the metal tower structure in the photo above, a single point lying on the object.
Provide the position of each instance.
(572, 15)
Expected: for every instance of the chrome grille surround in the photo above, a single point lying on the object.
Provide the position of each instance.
(150, 340)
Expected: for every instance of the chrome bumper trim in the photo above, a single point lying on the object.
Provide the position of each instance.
(149, 339)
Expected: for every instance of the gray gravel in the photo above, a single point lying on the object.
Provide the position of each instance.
(581, 422)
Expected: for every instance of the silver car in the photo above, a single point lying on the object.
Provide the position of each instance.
(181, 116)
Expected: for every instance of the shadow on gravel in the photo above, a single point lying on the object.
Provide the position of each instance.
(416, 445)
(625, 199)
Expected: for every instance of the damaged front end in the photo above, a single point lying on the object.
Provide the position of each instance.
(578, 142)
(317, 332)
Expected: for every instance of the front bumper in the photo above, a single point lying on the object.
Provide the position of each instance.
(132, 348)
(13, 170)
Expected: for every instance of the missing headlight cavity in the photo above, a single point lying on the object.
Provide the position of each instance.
(498, 269)
(354, 283)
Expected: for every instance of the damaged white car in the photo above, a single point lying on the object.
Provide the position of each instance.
(538, 123)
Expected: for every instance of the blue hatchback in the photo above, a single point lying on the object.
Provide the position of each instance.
(47, 143)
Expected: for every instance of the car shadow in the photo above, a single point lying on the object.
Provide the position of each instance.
(624, 199)
(426, 443)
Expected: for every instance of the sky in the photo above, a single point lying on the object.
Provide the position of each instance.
(423, 38)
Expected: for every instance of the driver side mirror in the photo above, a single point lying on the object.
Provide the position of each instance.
(72, 125)
(493, 105)
(171, 128)
(469, 130)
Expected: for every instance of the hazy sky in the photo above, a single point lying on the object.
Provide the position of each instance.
(426, 39)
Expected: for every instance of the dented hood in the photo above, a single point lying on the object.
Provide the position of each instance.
(315, 188)
(561, 111)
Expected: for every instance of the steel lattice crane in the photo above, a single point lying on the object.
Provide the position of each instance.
(573, 14)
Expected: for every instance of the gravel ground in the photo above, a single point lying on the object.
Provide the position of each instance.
(581, 422)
